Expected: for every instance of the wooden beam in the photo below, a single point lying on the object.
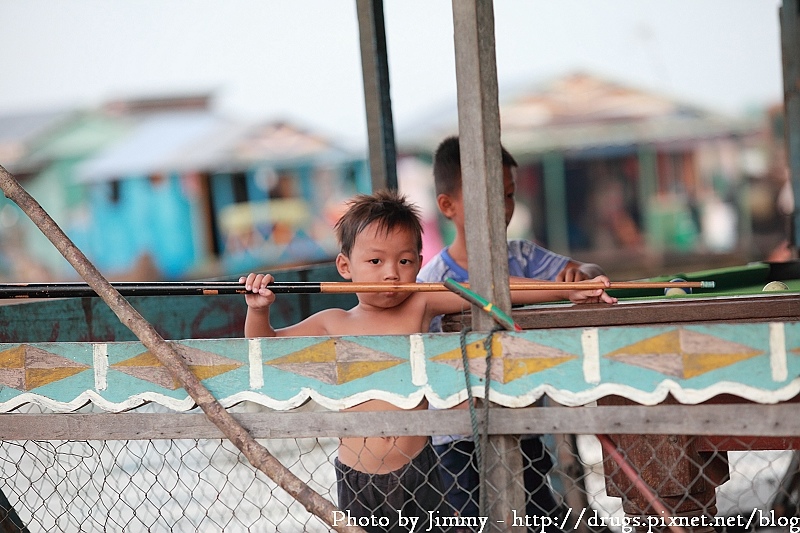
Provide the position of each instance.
(776, 424)
(377, 100)
(481, 162)
(789, 15)
(770, 307)
(482, 189)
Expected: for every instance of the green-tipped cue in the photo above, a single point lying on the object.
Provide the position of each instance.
(188, 288)
(497, 314)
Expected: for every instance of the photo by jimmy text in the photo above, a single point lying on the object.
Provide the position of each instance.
(435, 521)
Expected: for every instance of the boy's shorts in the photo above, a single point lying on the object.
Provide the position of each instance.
(415, 490)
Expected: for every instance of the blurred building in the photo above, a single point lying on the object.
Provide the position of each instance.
(609, 172)
(165, 188)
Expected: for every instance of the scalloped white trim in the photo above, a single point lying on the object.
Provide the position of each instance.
(567, 398)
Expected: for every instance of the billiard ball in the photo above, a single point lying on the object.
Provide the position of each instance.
(677, 291)
(775, 286)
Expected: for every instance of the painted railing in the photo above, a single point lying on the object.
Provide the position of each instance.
(759, 362)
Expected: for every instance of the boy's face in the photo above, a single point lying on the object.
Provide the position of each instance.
(452, 206)
(382, 257)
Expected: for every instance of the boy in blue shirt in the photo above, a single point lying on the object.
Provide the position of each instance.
(525, 259)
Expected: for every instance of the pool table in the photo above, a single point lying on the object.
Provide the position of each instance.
(738, 295)
(672, 464)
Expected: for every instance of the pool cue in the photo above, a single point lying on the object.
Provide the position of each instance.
(497, 314)
(205, 288)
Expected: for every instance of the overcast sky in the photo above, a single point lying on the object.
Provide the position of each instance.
(299, 59)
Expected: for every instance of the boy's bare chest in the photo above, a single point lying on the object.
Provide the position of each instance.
(401, 320)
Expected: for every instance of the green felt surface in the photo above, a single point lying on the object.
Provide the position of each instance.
(730, 281)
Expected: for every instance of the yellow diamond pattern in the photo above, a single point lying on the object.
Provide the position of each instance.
(683, 353)
(204, 365)
(26, 367)
(512, 358)
(336, 361)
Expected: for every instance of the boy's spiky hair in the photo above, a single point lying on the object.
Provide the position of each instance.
(388, 208)
(447, 166)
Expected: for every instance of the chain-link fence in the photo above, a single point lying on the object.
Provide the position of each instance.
(572, 483)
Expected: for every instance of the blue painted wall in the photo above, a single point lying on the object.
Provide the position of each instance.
(145, 218)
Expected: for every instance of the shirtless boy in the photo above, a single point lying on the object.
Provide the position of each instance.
(381, 239)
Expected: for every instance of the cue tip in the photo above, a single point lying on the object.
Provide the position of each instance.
(707, 284)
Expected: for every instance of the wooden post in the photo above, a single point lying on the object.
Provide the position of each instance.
(555, 194)
(648, 187)
(482, 177)
(375, 69)
(789, 14)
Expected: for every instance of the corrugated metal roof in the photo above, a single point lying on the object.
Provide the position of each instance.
(581, 137)
(24, 127)
(194, 141)
(149, 147)
(19, 131)
(87, 133)
(582, 98)
(579, 112)
(280, 141)
(212, 151)
(236, 146)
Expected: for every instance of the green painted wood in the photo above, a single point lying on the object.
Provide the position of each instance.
(556, 200)
(647, 190)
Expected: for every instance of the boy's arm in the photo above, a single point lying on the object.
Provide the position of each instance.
(259, 299)
(575, 296)
(577, 271)
(256, 324)
(443, 303)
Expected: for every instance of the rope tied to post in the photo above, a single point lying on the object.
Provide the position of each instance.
(480, 431)
(504, 321)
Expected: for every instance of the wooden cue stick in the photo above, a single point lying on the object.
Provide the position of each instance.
(167, 288)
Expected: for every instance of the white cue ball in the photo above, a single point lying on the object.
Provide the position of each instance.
(775, 286)
(676, 291)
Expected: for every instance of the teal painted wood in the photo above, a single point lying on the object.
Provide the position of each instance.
(90, 319)
(754, 361)
(175, 317)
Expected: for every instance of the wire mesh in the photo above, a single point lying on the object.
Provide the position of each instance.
(208, 485)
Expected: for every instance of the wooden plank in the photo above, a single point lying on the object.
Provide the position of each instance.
(777, 422)
(789, 15)
(753, 361)
(481, 163)
(482, 190)
(375, 70)
(767, 308)
(745, 443)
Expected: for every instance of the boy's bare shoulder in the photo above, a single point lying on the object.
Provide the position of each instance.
(331, 316)
(325, 322)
